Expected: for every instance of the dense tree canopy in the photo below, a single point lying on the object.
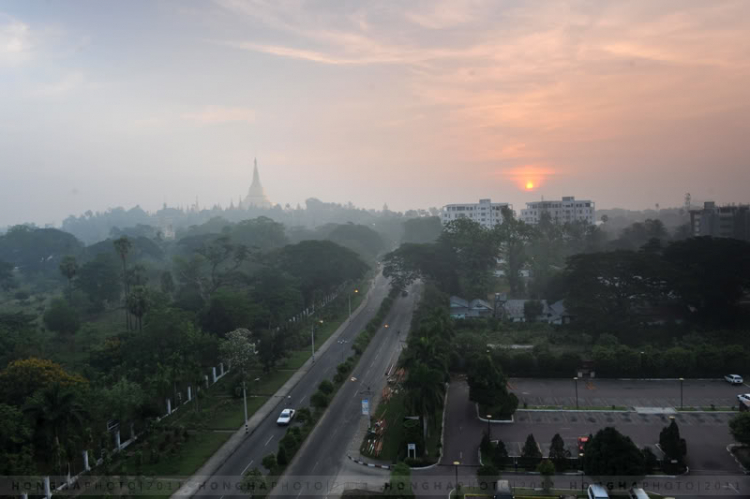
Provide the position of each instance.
(610, 453)
(422, 230)
(35, 250)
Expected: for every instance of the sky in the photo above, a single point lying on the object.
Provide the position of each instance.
(414, 104)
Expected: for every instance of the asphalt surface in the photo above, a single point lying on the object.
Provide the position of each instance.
(318, 463)
(628, 393)
(713, 471)
(264, 440)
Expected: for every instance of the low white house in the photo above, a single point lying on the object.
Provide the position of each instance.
(461, 308)
(554, 313)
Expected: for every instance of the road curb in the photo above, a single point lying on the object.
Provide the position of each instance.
(729, 449)
(369, 465)
(495, 421)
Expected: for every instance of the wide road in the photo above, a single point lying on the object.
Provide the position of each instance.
(316, 466)
(265, 439)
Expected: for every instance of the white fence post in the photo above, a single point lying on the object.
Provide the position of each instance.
(47, 490)
(221, 368)
(213, 374)
(117, 440)
(205, 376)
(169, 407)
(86, 466)
(190, 394)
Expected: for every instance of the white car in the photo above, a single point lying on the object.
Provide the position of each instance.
(285, 417)
(745, 397)
(734, 379)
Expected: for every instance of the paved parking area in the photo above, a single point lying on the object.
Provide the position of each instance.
(707, 434)
(627, 393)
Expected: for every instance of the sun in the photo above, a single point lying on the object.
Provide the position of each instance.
(529, 185)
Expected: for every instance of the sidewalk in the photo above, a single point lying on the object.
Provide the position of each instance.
(234, 442)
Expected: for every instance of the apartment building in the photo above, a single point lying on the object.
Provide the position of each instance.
(721, 221)
(485, 212)
(568, 209)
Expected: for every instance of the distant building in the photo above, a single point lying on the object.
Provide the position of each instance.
(552, 313)
(461, 309)
(568, 209)
(256, 197)
(485, 212)
(721, 221)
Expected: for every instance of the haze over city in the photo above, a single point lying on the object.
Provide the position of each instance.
(413, 105)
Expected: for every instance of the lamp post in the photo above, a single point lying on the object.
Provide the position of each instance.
(350, 302)
(681, 380)
(456, 464)
(244, 398)
(643, 371)
(312, 339)
(489, 430)
(575, 382)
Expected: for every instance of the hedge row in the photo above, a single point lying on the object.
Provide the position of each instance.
(622, 361)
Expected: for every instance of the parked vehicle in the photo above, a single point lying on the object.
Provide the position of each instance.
(744, 397)
(597, 492)
(581, 444)
(637, 493)
(285, 417)
(734, 379)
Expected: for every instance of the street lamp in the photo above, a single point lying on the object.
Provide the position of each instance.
(489, 434)
(643, 371)
(575, 381)
(681, 380)
(312, 339)
(457, 464)
(350, 302)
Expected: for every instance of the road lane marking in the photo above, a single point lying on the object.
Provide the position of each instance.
(269, 441)
(246, 467)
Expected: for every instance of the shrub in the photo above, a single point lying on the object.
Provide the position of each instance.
(269, 462)
(319, 400)
(281, 457)
(303, 415)
(326, 387)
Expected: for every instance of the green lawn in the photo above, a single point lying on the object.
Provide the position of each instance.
(393, 412)
(231, 417)
(295, 360)
(191, 456)
(269, 382)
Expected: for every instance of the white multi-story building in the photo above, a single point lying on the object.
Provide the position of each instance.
(566, 210)
(485, 212)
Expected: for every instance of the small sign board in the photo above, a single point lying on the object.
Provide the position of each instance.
(366, 407)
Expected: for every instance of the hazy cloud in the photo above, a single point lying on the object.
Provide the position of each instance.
(15, 40)
(212, 115)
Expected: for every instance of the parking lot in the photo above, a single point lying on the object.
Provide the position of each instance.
(603, 393)
(707, 434)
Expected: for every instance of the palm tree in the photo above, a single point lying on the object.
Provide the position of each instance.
(137, 304)
(69, 269)
(57, 412)
(123, 247)
(425, 390)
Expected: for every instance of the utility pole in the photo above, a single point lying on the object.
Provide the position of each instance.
(244, 397)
